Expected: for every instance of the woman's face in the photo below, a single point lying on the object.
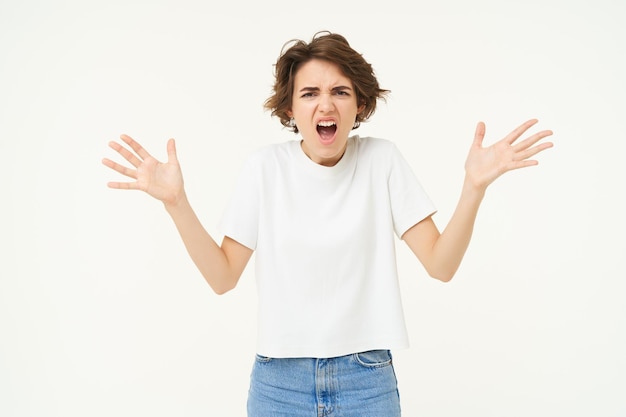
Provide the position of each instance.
(324, 107)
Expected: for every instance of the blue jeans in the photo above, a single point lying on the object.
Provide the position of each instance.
(357, 385)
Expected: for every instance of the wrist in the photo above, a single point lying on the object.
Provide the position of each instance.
(177, 203)
(473, 190)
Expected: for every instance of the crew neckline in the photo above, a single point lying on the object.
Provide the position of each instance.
(322, 170)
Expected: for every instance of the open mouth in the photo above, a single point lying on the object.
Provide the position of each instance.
(326, 130)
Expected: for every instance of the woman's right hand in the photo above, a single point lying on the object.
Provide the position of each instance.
(163, 181)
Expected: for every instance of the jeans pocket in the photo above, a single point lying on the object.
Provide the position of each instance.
(373, 358)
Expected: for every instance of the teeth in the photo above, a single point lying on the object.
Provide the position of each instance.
(326, 123)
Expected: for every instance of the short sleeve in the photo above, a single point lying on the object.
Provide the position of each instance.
(240, 220)
(410, 203)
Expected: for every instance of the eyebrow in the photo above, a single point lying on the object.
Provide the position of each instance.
(315, 89)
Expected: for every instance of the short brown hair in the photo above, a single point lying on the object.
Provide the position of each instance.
(330, 47)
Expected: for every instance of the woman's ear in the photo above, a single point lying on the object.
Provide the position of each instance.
(289, 113)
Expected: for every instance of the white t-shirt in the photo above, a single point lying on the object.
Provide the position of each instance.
(325, 246)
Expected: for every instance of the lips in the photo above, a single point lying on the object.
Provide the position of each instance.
(326, 130)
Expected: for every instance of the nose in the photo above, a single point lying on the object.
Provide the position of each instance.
(326, 103)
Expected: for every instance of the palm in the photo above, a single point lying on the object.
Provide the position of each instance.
(163, 181)
(160, 180)
(485, 164)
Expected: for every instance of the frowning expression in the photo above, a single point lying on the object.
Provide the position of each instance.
(324, 107)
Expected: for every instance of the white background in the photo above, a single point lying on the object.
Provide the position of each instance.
(103, 314)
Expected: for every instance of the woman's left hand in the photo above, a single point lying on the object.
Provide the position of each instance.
(484, 164)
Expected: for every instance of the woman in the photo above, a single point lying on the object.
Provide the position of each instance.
(322, 213)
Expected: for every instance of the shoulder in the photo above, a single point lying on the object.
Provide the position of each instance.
(369, 142)
(378, 149)
(267, 151)
(269, 154)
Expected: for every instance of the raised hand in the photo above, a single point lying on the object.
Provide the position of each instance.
(485, 164)
(163, 181)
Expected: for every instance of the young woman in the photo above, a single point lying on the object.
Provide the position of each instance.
(322, 213)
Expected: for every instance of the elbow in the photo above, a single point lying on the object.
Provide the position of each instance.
(222, 288)
(441, 270)
(442, 275)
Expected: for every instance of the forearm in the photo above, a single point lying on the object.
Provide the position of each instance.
(206, 254)
(450, 247)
